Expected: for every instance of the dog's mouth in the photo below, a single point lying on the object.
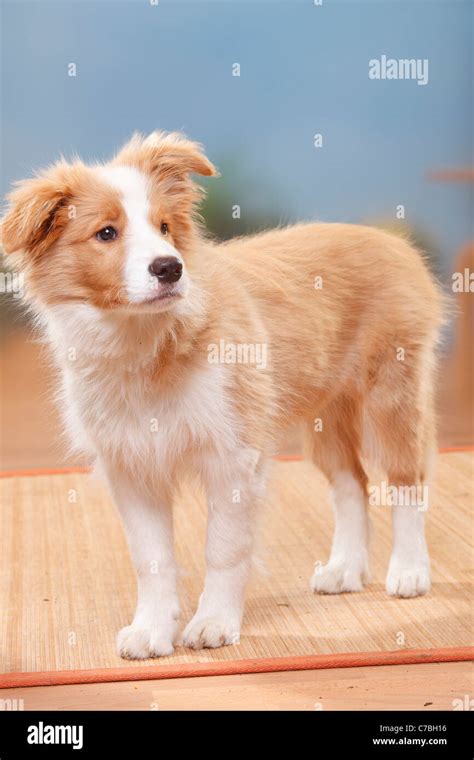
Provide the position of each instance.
(164, 294)
(161, 299)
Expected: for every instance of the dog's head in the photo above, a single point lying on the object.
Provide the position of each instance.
(115, 235)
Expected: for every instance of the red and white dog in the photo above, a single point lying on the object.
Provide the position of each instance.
(143, 312)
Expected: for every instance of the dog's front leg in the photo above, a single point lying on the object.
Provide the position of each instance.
(232, 506)
(147, 519)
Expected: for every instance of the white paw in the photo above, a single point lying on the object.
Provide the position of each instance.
(210, 632)
(339, 577)
(136, 643)
(408, 581)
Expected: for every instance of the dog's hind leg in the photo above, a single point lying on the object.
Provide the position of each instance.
(400, 439)
(333, 445)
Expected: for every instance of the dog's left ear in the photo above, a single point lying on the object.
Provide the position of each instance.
(36, 213)
(166, 155)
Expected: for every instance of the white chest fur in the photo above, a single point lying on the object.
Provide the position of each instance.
(114, 408)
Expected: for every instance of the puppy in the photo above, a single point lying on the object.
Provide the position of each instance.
(181, 355)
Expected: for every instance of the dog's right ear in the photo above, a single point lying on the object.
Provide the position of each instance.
(170, 155)
(37, 212)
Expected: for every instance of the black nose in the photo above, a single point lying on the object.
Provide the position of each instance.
(166, 268)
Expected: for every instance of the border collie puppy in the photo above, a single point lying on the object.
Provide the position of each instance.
(182, 356)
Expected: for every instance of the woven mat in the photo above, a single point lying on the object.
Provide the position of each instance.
(67, 585)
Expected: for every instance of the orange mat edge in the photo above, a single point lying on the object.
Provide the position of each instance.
(71, 470)
(237, 667)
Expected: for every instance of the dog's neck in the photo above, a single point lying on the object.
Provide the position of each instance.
(83, 335)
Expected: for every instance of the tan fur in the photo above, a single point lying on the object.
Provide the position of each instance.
(349, 316)
(332, 350)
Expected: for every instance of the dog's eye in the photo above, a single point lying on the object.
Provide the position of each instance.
(106, 234)
(164, 228)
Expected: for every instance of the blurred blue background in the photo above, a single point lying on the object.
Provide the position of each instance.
(304, 70)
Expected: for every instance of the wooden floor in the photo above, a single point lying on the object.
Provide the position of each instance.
(393, 687)
(60, 613)
(426, 686)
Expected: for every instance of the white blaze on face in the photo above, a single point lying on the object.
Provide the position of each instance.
(143, 242)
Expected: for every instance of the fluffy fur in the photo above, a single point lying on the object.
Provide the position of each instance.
(349, 317)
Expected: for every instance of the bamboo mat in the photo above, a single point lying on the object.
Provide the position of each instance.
(67, 585)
